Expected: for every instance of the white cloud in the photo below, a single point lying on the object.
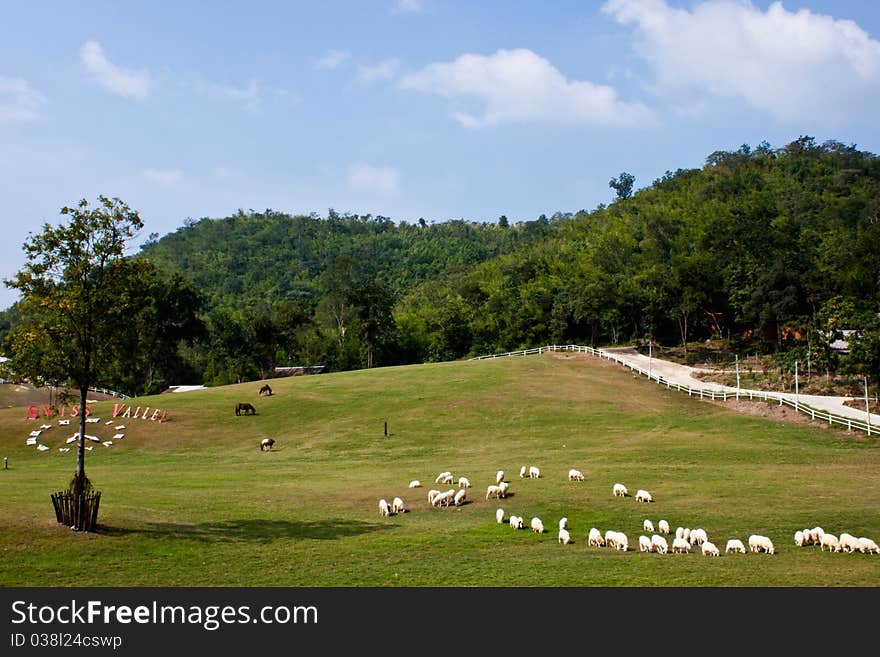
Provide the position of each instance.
(519, 85)
(18, 101)
(333, 59)
(794, 65)
(123, 82)
(164, 177)
(411, 6)
(384, 70)
(373, 179)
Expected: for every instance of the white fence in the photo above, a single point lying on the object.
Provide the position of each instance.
(815, 414)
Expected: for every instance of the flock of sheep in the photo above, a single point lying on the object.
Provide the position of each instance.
(684, 541)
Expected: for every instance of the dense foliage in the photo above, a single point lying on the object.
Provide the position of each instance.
(773, 248)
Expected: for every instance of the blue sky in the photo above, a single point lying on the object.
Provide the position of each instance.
(406, 108)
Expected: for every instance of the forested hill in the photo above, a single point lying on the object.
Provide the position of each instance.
(260, 259)
(776, 248)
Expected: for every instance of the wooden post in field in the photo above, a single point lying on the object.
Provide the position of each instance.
(386, 428)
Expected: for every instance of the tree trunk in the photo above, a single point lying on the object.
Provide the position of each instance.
(79, 479)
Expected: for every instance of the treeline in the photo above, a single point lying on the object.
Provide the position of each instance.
(776, 248)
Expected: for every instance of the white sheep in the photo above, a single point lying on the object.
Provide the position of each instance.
(444, 498)
(575, 475)
(503, 486)
(516, 522)
(493, 490)
(534, 472)
(648, 526)
(830, 541)
(563, 523)
(847, 543)
(816, 535)
(619, 490)
(758, 543)
(444, 478)
(595, 538)
(464, 482)
(499, 476)
(659, 543)
(499, 516)
(680, 545)
(643, 496)
(663, 527)
(808, 539)
(397, 506)
(384, 508)
(679, 532)
(621, 542)
(698, 536)
(709, 549)
(564, 537)
(799, 538)
(459, 496)
(432, 494)
(415, 483)
(611, 538)
(645, 544)
(537, 525)
(522, 472)
(735, 545)
(868, 545)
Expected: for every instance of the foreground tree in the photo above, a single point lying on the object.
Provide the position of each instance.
(71, 315)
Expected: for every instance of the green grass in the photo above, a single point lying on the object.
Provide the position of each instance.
(194, 502)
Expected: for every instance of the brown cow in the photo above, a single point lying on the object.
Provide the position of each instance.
(246, 408)
(266, 444)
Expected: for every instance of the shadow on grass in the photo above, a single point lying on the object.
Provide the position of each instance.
(255, 530)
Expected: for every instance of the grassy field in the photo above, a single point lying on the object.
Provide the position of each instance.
(194, 502)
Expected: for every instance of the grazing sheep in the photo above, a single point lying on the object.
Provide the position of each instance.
(563, 523)
(679, 532)
(534, 473)
(621, 542)
(680, 545)
(816, 535)
(643, 496)
(499, 476)
(847, 543)
(522, 472)
(516, 522)
(499, 516)
(735, 545)
(799, 538)
(415, 483)
(659, 543)
(493, 490)
(619, 490)
(575, 475)
(397, 506)
(645, 544)
(595, 538)
(868, 545)
(648, 526)
(758, 543)
(564, 536)
(444, 498)
(433, 493)
(610, 538)
(384, 508)
(537, 525)
(709, 549)
(698, 536)
(829, 540)
(459, 496)
(503, 486)
(808, 539)
(464, 482)
(663, 527)
(444, 478)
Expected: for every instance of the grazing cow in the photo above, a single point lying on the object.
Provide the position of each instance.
(266, 390)
(245, 408)
(266, 444)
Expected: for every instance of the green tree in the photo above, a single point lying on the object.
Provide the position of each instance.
(623, 185)
(69, 287)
